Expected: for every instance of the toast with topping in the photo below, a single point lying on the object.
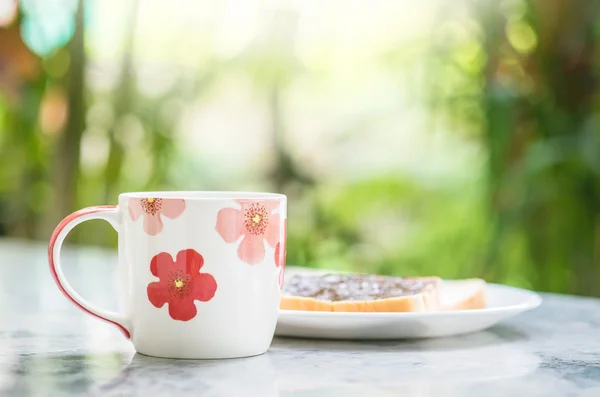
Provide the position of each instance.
(372, 293)
(361, 293)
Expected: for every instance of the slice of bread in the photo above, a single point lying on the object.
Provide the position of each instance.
(370, 293)
(463, 294)
(361, 293)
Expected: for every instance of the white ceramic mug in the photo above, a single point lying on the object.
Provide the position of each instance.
(202, 270)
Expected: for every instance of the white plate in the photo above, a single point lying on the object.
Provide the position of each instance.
(503, 302)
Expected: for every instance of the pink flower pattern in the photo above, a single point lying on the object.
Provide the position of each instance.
(280, 254)
(254, 222)
(152, 209)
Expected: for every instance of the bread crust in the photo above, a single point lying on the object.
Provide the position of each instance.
(413, 303)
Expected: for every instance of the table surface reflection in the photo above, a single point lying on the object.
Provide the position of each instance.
(50, 348)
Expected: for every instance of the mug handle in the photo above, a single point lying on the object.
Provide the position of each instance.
(107, 213)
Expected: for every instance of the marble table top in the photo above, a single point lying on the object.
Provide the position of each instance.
(50, 348)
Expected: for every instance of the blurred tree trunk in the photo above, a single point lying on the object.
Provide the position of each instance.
(67, 161)
(279, 37)
(124, 97)
(22, 157)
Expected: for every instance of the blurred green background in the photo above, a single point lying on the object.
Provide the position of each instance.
(456, 138)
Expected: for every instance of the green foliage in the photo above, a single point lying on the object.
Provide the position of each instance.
(516, 79)
(537, 119)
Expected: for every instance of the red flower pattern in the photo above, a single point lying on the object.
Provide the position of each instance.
(255, 222)
(280, 254)
(181, 283)
(152, 208)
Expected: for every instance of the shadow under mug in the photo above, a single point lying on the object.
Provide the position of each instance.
(202, 271)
